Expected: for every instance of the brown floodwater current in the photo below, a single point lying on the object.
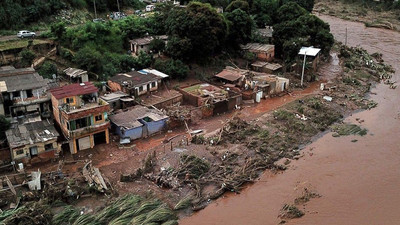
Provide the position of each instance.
(359, 182)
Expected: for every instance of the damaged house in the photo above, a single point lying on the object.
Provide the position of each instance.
(134, 83)
(23, 91)
(81, 115)
(118, 100)
(138, 122)
(216, 99)
(33, 140)
(143, 44)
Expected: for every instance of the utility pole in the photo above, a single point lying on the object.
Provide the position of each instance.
(118, 6)
(94, 5)
(304, 65)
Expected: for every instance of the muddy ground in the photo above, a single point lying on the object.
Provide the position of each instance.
(356, 11)
(251, 140)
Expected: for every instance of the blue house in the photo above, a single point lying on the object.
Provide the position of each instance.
(138, 122)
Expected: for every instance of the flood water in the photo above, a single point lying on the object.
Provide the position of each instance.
(359, 182)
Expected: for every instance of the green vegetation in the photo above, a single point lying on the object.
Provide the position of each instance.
(6, 45)
(348, 129)
(27, 57)
(17, 14)
(175, 68)
(47, 70)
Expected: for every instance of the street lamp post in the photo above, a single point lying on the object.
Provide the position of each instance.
(304, 65)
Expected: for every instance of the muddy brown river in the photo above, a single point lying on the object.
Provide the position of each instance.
(359, 182)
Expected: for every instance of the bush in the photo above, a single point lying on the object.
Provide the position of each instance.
(47, 70)
(175, 68)
(27, 57)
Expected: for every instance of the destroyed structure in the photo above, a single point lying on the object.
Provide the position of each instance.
(250, 83)
(76, 75)
(81, 115)
(143, 44)
(264, 52)
(138, 122)
(212, 99)
(33, 139)
(23, 91)
(134, 83)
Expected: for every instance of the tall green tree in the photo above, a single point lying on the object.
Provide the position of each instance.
(306, 4)
(201, 26)
(58, 31)
(4, 126)
(240, 27)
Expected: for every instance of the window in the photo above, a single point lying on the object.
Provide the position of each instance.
(20, 152)
(48, 147)
(153, 84)
(69, 100)
(98, 118)
(140, 88)
(33, 150)
(29, 93)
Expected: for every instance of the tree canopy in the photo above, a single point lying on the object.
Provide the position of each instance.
(199, 27)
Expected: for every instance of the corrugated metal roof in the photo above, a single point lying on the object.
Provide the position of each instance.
(129, 119)
(74, 90)
(74, 72)
(257, 47)
(230, 74)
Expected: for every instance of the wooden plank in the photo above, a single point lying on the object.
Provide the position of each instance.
(10, 185)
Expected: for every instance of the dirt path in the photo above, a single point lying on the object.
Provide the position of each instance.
(358, 181)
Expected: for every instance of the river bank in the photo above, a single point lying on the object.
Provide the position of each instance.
(357, 181)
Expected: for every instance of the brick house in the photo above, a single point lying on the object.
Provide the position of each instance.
(81, 115)
(264, 52)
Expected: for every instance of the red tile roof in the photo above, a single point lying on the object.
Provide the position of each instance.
(73, 90)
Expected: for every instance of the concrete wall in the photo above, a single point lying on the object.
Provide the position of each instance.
(154, 126)
(133, 134)
(41, 150)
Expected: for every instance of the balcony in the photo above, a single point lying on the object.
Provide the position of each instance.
(88, 130)
(18, 101)
(84, 109)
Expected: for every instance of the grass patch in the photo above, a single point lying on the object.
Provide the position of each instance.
(7, 45)
(290, 212)
(348, 129)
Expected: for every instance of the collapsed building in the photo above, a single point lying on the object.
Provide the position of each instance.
(31, 140)
(212, 99)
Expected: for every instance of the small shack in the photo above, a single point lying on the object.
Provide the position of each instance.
(233, 76)
(76, 75)
(271, 84)
(264, 52)
(266, 67)
(138, 122)
(143, 44)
